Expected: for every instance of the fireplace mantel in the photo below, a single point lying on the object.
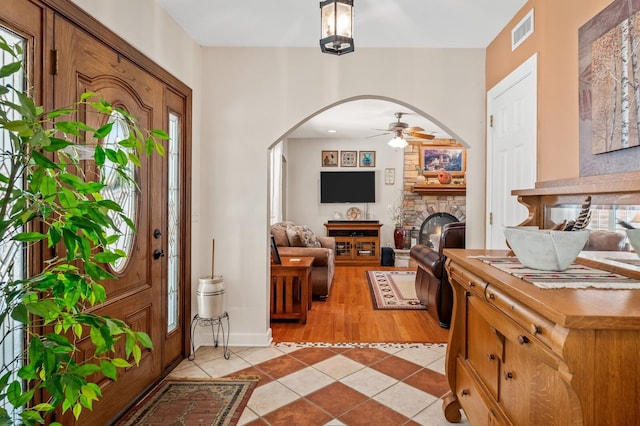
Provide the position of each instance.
(439, 189)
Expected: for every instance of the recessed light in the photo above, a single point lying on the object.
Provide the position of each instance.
(331, 131)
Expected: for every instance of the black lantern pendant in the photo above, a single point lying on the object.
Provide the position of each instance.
(336, 26)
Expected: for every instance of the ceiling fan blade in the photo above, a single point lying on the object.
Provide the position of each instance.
(420, 135)
(379, 134)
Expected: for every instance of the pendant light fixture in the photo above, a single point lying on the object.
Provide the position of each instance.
(336, 26)
(398, 141)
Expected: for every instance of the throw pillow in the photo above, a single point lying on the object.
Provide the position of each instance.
(293, 237)
(307, 237)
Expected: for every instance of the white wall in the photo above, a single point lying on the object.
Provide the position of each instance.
(303, 196)
(245, 99)
(254, 96)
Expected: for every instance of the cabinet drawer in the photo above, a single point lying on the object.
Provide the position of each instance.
(535, 326)
(469, 396)
(467, 280)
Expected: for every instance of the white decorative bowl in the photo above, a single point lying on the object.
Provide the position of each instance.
(546, 249)
(633, 235)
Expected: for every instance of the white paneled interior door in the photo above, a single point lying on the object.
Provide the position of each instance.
(511, 149)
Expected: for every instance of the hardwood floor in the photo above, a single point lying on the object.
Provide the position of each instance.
(348, 316)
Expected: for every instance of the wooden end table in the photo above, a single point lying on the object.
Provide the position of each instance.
(291, 288)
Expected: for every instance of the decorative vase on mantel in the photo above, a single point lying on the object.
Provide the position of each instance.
(398, 237)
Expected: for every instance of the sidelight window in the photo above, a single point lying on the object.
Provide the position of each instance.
(173, 247)
(12, 253)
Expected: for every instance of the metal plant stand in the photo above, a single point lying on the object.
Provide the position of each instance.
(213, 322)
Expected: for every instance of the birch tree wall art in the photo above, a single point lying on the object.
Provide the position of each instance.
(615, 88)
(609, 89)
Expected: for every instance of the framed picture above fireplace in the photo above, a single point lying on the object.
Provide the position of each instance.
(435, 158)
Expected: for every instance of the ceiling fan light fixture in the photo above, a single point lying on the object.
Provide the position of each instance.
(398, 142)
(336, 26)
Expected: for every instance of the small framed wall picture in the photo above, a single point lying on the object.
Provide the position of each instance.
(389, 176)
(329, 158)
(367, 158)
(348, 158)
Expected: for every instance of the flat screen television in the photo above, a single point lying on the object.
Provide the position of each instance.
(348, 187)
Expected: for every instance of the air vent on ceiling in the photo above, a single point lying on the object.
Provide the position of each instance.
(521, 31)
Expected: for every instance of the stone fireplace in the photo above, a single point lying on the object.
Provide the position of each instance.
(419, 207)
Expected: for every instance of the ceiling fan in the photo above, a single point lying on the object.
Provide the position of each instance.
(400, 129)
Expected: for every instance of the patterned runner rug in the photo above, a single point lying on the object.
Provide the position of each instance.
(192, 402)
(576, 276)
(393, 290)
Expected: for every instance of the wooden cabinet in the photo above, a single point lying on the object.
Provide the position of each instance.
(357, 243)
(519, 354)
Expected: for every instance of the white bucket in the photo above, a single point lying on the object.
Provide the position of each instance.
(210, 295)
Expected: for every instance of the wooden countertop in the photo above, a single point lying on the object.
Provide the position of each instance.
(589, 308)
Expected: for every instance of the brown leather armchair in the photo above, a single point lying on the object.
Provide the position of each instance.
(432, 281)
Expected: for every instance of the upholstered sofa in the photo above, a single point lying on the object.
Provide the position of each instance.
(298, 241)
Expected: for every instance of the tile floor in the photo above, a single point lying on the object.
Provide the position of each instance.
(332, 384)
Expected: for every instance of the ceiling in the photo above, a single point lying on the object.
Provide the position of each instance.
(377, 24)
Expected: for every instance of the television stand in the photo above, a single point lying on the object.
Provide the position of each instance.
(357, 241)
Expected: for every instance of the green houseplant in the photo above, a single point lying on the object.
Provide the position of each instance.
(46, 199)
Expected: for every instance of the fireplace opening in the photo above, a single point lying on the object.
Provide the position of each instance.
(432, 226)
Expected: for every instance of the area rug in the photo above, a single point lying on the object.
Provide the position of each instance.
(192, 402)
(393, 290)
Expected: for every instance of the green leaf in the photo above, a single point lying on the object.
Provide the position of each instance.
(87, 370)
(110, 204)
(120, 363)
(59, 112)
(160, 134)
(29, 109)
(70, 242)
(144, 339)
(87, 95)
(9, 69)
(44, 407)
(18, 126)
(67, 198)
(48, 186)
(20, 314)
(67, 127)
(108, 369)
(96, 272)
(107, 257)
(77, 409)
(29, 237)
(54, 236)
(160, 149)
(99, 155)
(103, 131)
(43, 161)
(149, 146)
(135, 159)
(56, 144)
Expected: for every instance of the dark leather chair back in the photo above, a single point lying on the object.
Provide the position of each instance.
(432, 281)
(453, 236)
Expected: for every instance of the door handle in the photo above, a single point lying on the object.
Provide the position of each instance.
(157, 254)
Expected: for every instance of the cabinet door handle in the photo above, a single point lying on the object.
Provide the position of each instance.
(508, 375)
(464, 392)
(523, 339)
(472, 284)
(492, 296)
(535, 329)
(491, 357)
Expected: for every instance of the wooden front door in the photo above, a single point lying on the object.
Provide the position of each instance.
(138, 295)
